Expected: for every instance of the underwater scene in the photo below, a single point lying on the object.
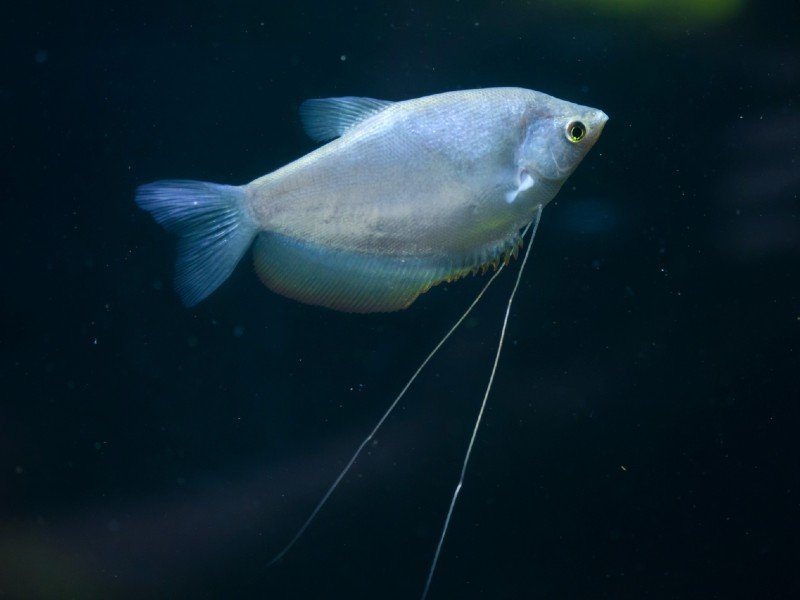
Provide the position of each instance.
(458, 299)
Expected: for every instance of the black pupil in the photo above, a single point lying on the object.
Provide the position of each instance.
(576, 131)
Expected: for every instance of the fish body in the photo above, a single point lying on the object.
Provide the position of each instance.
(406, 195)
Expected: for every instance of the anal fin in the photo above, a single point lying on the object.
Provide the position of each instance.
(341, 279)
(352, 281)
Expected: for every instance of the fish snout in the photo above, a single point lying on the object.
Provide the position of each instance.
(595, 120)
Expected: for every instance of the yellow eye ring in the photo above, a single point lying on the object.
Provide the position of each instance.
(575, 131)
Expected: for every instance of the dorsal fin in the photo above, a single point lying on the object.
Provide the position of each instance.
(328, 118)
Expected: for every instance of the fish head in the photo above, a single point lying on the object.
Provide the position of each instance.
(556, 136)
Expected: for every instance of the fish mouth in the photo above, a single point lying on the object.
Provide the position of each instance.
(600, 119)
(596, 122)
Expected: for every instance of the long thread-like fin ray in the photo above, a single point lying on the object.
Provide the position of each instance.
(483, 405)
(385, 416)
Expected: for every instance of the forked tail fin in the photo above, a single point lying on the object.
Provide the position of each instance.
(214, 228)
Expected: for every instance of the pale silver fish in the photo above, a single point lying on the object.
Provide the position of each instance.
(408, 195)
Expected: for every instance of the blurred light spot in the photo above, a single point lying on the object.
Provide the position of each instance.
(658, 10)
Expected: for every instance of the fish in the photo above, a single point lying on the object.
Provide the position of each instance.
(405, 196)
(402, 197)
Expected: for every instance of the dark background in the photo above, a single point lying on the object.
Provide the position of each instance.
(641, 439)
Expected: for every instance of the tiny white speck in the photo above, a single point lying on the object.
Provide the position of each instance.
(343, 57)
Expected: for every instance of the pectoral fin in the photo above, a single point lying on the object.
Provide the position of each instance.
(525, 182)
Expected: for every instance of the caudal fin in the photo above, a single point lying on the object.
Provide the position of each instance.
(214, 229)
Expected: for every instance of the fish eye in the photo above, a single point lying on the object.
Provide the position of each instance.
(575, 131)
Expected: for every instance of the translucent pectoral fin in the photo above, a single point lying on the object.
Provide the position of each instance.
(525, 183)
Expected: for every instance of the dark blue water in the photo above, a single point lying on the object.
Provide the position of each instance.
(641, 439)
